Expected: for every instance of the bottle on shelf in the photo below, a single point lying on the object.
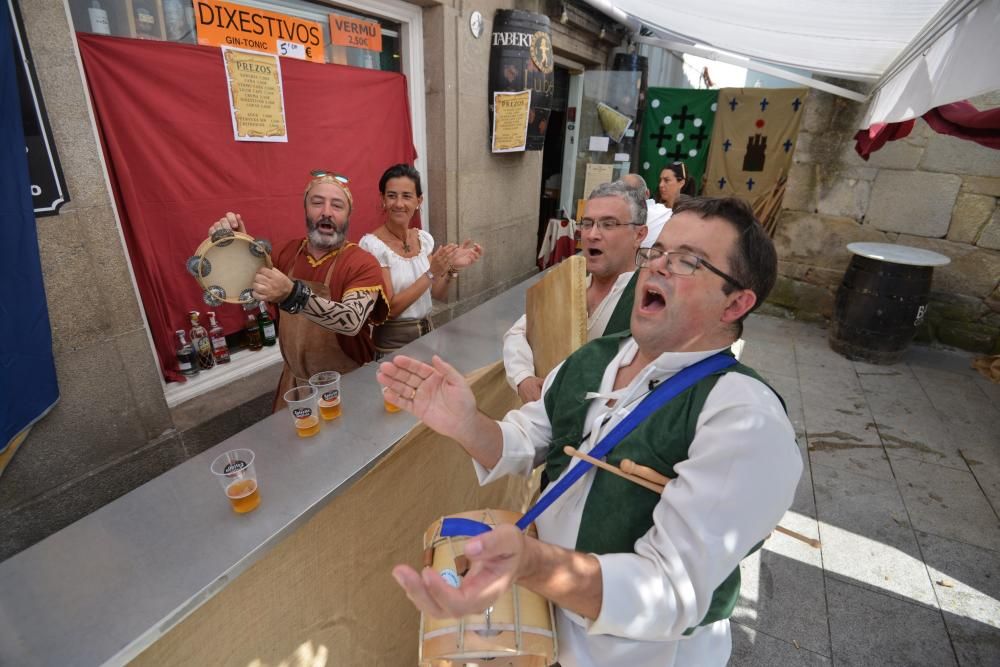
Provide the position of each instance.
(251, 329)
(268, 332)
(187, 360)
(219, 346)
(201, 342)
(99, 23)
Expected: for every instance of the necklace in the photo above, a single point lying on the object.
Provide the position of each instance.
(404, 240)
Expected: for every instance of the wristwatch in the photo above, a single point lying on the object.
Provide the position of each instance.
(430, 276)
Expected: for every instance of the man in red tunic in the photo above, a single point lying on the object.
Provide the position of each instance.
(330, 290)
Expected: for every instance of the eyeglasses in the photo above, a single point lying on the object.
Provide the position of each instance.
(320, 173)
(680, 263)
(604, 224)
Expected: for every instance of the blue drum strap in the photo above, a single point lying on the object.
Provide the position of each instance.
(659, 397)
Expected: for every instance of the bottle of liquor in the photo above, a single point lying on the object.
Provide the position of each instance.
(99, 23)
(219, 346)
(201, 342)
(268, 333)
(252, 330)
(187, 360)
(145, 18)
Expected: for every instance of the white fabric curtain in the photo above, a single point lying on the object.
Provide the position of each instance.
(852, 39)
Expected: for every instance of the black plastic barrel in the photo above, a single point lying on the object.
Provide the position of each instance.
(521, 59)
(878, 307)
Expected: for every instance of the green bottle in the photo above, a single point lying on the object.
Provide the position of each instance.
(268, 332)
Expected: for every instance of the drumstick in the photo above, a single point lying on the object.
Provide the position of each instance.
(630, 466)
(612, 469)
(649, 478)
(816, 544)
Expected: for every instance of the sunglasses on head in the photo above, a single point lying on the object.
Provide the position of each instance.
(684, 171)
(320, 173)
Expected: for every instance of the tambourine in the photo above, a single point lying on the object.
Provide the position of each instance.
(225, 264)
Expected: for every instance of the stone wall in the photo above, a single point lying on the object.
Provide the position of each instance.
(928, 190)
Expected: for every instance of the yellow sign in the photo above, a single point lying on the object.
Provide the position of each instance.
(347, 31)
(225, 24)
(510, 121)
(255, 97)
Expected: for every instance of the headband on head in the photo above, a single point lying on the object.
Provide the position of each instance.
(318, 177)
(684, 171)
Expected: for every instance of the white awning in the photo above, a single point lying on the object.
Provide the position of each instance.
(918, 53)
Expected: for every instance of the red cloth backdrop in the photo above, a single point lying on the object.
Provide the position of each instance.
(163, 114)
(958, 119)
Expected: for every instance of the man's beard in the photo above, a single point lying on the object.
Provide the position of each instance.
(323, 241)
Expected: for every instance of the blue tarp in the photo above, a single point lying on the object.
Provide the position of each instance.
(28, 386)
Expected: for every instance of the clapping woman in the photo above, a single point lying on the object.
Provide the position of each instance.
(413, 269)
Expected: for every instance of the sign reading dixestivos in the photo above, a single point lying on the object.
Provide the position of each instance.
(225, 24)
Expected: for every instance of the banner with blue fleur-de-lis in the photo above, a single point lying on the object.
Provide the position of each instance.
(676, 127)
(753, 142)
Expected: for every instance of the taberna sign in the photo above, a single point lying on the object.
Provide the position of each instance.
(48, 188)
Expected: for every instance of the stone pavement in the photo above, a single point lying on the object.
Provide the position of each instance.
(902, 486)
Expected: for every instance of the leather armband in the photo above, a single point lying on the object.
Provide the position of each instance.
(297, 300)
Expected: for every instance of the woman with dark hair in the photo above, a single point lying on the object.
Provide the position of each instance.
(413, 270)
(674, 182)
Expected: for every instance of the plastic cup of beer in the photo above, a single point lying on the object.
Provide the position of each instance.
(236, 473)
(302, 403)
(327, 384)
(389, 407)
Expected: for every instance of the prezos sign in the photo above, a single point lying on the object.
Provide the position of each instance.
(225, 24)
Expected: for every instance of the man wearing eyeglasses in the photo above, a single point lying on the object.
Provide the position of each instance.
(638, 578)
(328, 289)
(656, 213)
(612, 228)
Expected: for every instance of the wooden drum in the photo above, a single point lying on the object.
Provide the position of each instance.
(517, 631)
(225, 264)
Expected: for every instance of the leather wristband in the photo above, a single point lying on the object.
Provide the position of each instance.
(297, 300)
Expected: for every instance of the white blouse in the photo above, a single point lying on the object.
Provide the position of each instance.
(404, 270)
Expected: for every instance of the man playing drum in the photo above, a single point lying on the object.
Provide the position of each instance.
(613, 226)
(639, 578)
(329, 290)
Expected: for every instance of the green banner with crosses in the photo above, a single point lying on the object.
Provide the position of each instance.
(676, 127)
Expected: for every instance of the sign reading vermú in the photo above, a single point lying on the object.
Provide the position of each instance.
(347, 31)
(225, 24)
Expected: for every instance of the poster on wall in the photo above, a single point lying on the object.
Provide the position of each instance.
(614, 122)
(225, 24)
(597, 174)
(256, 101)
(510, 121)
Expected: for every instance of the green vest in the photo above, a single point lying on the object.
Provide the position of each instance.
(621, 316)
(618, 512)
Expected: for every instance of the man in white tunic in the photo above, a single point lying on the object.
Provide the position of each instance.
(638, 579)
(611, 230)
(656, 213)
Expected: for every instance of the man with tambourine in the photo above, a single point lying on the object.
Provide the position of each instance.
(639, 577)
(330, 290)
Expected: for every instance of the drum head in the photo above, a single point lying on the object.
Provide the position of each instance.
(226, 266)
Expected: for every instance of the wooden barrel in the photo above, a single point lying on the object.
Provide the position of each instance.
(878, 307)
(521, 59)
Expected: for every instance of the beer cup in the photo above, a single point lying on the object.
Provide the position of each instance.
(327, 384)
(302, 404)
(389, 407)
(236, 473)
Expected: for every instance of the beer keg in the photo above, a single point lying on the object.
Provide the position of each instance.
(521, 59)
